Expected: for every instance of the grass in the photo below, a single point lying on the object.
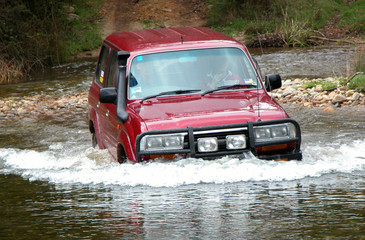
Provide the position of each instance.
(357, 83)
(359, 59)
(293, 20)
(353, 17)
(293, 32)
(326, 85)
(85, 33)
(150, 24)
(10, 71)
(35, 34)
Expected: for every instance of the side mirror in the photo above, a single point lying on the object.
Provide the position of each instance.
(108, 95)
(272, 81)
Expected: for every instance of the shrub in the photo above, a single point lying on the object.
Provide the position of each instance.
(357, 83)
(38, 33)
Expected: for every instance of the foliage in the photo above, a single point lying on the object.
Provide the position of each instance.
(293, 20)
(359, 60)
(38, 33)
(357, 83)
(293, 32)
(353, 17)
(84, 34)
(148, 24)
(326, 85)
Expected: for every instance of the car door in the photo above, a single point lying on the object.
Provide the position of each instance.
(108, 116)
(100, 75)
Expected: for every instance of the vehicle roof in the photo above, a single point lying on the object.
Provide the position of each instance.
(155, 38)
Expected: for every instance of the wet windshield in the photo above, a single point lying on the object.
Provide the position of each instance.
(204, 69)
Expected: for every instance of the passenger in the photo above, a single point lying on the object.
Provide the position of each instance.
(140, 79)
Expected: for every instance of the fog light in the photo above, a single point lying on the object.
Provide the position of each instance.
(236, 141)
(207, 144)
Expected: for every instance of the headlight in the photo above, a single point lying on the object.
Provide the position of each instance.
(274, 132)
(209, 144)
(162, 142)
(236, 141)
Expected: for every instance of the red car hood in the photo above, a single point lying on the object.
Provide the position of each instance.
(214, 109)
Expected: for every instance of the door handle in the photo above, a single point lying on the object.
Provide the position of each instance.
(107, 113)
(98, 105)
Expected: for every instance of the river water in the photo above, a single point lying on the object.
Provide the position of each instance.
(53, 185)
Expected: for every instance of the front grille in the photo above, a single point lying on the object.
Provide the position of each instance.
(192, 134)
(220, 134)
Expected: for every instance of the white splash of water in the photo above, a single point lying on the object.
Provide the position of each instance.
(89, 166)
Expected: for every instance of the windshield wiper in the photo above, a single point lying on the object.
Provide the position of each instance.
(171, 92)
(228, 87)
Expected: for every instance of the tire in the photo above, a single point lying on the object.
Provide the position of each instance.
(94, 140)
(122, 157)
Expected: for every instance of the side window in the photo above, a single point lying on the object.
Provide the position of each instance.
(112, 77)
(101, 67)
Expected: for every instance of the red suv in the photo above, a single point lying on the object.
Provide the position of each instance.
(185, 92)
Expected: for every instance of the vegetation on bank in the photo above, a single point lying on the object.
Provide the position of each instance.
(39, 33)
(291, 23)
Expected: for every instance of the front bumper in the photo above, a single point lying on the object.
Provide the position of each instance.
(192, 134)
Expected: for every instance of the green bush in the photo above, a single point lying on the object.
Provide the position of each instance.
(357, 83)
(326, 85)
(359, 59)
(38, 33)
(294, 20)
(353, 17)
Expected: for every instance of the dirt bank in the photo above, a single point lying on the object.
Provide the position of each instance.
(129, 15)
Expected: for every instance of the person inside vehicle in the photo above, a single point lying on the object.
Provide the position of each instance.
(222, 76)
(140, 78)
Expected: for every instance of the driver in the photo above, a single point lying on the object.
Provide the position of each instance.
(222, 76)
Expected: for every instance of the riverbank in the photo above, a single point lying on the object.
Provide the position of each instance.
(296, 92)
(42, 105)
(292, 92)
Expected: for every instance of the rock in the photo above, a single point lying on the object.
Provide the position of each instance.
(318, 88)
(297, 81)
(323, 105)
(338, 105)
(331, 95)
(338, 99)
(307, 104)
(325, 98)
(287, 82)
(319, 98)
(349, 93)
(356, 102)
(21, 111)
(329, 109)
(356, 96)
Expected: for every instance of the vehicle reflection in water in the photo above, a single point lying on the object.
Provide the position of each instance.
(53, 184)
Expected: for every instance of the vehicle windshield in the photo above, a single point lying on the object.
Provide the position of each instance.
(204, 69)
